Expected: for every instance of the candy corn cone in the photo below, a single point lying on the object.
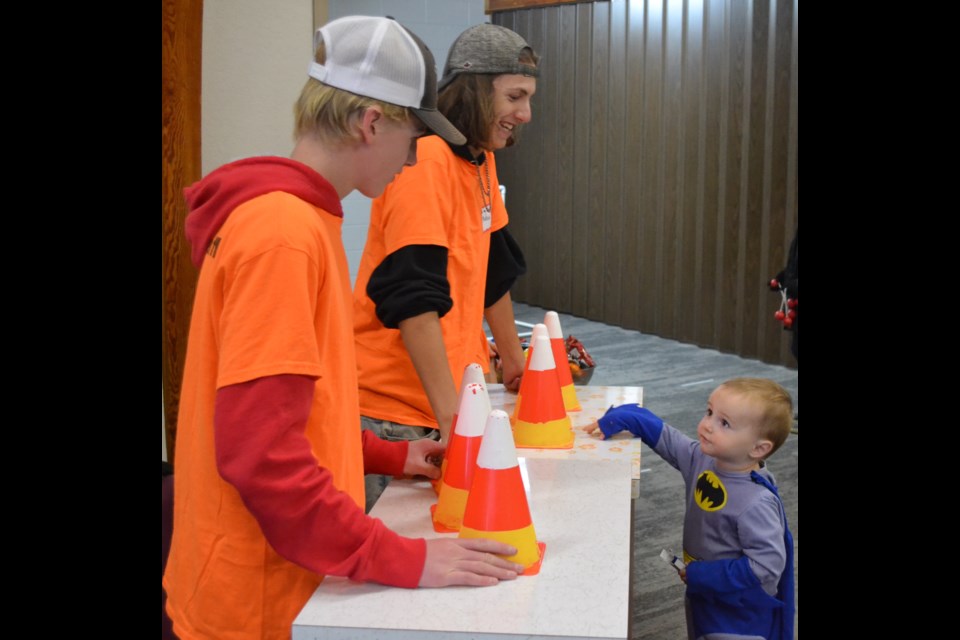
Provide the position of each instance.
(542, 422)
(460, 460)
(497, 505)
(570, 402)
(472, 373)
(538, 330)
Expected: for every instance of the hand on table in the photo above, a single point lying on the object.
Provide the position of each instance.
(627, 417)
(423, 457)
(467, 561)
(594, 428)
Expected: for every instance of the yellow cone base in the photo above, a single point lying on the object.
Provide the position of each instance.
(525, 540)
(570, 402)
(534, 569)
(447, 514)
(555, 434)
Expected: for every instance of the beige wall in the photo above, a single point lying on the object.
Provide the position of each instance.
(255, 57)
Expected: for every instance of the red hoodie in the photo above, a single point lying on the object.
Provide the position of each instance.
(249, 445)
(213, 199)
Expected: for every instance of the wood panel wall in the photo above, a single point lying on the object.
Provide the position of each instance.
(657, 186)
(182, 27)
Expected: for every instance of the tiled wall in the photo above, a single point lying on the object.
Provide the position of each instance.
(438, 23)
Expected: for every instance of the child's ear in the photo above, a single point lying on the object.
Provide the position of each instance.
(369, 122)
(761, 449)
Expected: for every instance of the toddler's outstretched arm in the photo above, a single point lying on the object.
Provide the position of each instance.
(633, 418)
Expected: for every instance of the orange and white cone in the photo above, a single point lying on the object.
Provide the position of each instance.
(460, 460)
(538, 330)
(472, 374)
(542, 422)
(497, 505)
(570, 402)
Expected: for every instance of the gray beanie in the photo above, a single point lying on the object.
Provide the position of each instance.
(486, 48)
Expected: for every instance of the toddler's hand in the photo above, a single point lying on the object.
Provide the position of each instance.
(683, 575)
(593, 427)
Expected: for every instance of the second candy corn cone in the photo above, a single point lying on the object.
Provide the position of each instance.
(461, 458)
(567, 390)
(538, 330)
(542, 422)
(472, 373)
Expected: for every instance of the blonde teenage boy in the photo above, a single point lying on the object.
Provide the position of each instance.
(270, 457)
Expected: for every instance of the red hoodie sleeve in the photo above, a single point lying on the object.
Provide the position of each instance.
(263, 452)
(382, 456)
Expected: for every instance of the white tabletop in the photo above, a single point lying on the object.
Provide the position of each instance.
(594, 402)
(580, 509)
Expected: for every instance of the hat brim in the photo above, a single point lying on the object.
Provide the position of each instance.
(438, 124)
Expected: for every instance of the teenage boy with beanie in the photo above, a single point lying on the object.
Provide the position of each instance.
(438, 258)
(270, 456)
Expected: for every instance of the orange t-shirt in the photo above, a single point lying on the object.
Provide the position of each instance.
(438, 201)
(273, 298)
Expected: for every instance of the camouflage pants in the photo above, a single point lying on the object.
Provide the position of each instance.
(386, 430)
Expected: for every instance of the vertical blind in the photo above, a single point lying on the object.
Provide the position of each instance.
(656, 188)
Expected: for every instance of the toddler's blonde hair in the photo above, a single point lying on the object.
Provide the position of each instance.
(776, 407)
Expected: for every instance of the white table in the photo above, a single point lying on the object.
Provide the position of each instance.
(594, 401)
(580, 509)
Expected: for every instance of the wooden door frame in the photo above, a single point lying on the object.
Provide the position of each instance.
(182, 36)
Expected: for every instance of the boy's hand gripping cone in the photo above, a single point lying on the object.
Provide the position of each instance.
(497, 505)
(570, 402)
(542, 422)
(461, 458)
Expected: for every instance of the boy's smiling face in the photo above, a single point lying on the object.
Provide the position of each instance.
(729, 431)
(511, 107)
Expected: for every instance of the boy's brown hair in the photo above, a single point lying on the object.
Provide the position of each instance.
(775, 404)
(467, 102)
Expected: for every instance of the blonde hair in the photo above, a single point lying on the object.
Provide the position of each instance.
(330, 113)
(776, 407)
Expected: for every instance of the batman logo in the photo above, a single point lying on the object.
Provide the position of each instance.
(710, 493)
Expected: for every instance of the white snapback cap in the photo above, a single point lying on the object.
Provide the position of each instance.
(380, 58)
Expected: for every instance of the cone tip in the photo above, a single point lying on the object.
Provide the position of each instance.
(473, 411)
(539, 329)
(472, 373)
(497, 450)
(552, 320)
(542, 359)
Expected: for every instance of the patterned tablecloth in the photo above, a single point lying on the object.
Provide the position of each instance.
(594, 400)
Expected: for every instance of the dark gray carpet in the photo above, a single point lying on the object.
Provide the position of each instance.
(677, 379)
